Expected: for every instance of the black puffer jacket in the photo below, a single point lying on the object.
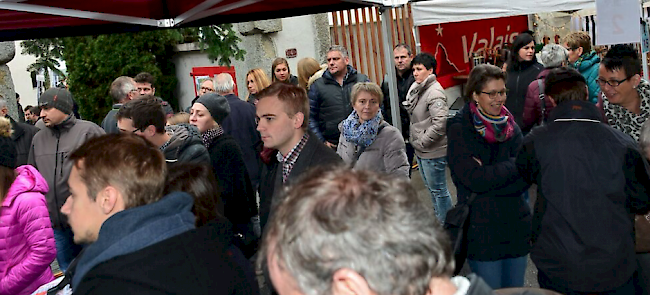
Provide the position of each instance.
(329, 104)
(22, 137)
(185, 145)
(519, 77)
(499, 222)
(590, 179)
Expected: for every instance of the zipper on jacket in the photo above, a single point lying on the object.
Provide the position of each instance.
(56, 165)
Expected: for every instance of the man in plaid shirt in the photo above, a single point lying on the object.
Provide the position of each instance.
(282, 115)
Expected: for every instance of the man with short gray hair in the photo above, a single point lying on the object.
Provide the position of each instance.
(122, 90)
(240, 124)
(340, 231)
(329, 96)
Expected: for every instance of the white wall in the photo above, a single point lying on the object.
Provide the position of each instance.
(297, 32)
(21, 77)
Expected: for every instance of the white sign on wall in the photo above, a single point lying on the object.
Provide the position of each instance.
(618, 21)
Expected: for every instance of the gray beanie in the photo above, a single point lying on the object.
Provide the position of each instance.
(58, 98)
(216, 104)
(553, 55)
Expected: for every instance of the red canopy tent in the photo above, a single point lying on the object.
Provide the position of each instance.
(31, 19)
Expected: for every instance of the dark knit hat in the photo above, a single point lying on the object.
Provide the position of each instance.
(8, 151)
(58, 98)
(216, 104)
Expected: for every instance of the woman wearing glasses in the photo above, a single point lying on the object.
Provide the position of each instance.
(522, 69)
(626, 96)
(427, 107)
(483, 144)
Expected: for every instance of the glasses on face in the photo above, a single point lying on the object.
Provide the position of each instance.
(207, 89)
(613, 83)
(493, 94)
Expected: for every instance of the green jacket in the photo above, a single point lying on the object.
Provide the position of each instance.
(587, 65)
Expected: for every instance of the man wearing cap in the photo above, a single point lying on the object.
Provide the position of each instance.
(145, 117)
(60, 134)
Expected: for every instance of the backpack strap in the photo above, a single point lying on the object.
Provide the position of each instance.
(540, 83)
(363, 149)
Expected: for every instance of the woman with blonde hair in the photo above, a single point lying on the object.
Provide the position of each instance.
(280, 72)
(308, 71)
(256, 80)
(367, 141)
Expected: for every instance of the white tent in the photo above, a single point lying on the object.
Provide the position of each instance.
(444, 11)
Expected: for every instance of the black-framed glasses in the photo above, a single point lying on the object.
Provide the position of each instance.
(613, 83)
(207, 89)
(493, 94)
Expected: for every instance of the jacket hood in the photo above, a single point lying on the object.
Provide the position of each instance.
(28, 179)
(459, 116)
(137, 228)
(586, 61)
(182, 136)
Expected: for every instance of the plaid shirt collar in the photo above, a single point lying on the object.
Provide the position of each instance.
(290, 159)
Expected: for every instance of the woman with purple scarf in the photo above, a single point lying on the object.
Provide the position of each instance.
(483, 141)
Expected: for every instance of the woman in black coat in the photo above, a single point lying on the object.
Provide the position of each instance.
(237, 193)
(522, 69)
(483, 141)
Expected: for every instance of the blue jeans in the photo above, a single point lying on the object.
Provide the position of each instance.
(504, 273)
(66, 249)
(433, 175)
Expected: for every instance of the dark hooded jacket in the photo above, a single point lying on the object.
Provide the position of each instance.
(590, 178)
(154, 249)
(329, 104)
(185, 145)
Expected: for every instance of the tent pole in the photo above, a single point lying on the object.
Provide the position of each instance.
(390, 69)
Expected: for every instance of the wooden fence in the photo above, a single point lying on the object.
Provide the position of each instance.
(359, 30)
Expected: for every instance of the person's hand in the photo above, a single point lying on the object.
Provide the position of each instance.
(478, 161)
(330, 145)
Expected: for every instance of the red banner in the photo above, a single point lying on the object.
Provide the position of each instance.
(454, 43)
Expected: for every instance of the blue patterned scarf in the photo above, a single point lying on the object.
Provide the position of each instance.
(361, 134)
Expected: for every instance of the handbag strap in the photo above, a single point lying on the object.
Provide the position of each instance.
(471, 199)
(541, 98)
(363, 148)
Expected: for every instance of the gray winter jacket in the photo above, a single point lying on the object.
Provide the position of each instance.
(426, 104)
(185, 145)
(49, 154)
(387, 154)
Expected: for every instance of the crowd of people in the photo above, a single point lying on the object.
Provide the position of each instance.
(160, 202)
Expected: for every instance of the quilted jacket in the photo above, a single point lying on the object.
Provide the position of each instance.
(26, 238)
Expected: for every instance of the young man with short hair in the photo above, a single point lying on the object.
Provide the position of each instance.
(282, 114)
(590, 179)
(140, 241)
(179, 143)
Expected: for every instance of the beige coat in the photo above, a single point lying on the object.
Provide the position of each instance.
(427, 106)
